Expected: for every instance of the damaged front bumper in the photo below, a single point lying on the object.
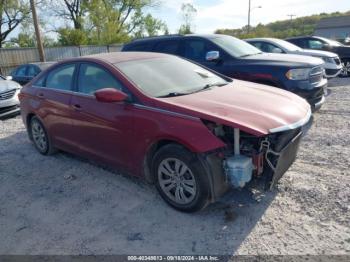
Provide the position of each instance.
(282, 159)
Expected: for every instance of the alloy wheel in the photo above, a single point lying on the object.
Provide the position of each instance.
(345, 71)
(177, 181)
(39, 136)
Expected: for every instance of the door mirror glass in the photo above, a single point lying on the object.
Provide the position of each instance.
(277, 50)
(110, 95)
(8, 77)
(212, 56)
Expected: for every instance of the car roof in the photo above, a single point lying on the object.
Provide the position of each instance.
(300, 37)
(118, 57)
(262, 39)
(168, 37)
(42, 65)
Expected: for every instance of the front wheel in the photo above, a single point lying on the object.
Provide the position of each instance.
(345, 71)
(181, 179)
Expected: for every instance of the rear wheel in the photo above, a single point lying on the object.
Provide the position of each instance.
(181, 179)
(40, 138)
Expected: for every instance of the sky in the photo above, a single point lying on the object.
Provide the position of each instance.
(212, 15)
(218, 14)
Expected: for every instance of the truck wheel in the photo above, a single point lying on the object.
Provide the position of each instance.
(40, 138)
(180, 178)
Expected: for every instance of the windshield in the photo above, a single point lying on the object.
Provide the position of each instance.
(286, 45)
(160, 77)
(331, 42)
(235, 47)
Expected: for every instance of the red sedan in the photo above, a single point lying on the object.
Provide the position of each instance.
(191, 131)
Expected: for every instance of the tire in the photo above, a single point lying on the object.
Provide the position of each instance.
(180, 178)
(40, 137)
(346, 69)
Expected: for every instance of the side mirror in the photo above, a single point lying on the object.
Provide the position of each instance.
(212, 56)
(277, 51)
(326, 46)
(9, 78)
(110, 95)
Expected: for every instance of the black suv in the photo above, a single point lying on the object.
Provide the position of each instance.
(238, 59)
(321, 43)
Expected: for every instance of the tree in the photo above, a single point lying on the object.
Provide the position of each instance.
(13, 13)
(113, 21)
(71, 37)
(71, 10)
(188, 13)
(151, 27)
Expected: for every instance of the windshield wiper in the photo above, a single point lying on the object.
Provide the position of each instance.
(173, 94)
(209, 86)
(251, 54)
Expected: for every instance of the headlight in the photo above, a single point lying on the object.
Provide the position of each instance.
(298, 74)
(328, 60)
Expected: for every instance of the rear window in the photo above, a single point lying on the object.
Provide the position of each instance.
(136, 47)
(168, 47)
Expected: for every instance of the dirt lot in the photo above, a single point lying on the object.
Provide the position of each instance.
(65, 205)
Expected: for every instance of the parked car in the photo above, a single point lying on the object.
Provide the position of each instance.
(238, 59)
(321, 43)
(9, 103)
(332, 64)
(192, 132)
(25, 73)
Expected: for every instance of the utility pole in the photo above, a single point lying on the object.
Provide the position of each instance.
(249, 16)
(291, 17)
(249, 11)
(37, 32)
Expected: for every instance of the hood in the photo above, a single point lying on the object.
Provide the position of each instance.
(343, 50)
(253, 108)
(317, 53)
(7, 85)
(286, 59)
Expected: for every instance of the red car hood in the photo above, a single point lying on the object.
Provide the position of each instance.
(254, 108)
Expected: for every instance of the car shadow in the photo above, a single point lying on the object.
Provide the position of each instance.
(67, 205)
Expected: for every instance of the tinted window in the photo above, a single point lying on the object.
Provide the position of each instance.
(197, 49)
(137, 47)
(92, 78)
(61, 78)
(33, 70)
(168, 47)
(21, 71)
(160, 76)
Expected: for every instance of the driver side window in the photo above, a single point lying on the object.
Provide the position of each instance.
(92, 78)
(315, 44)
(197, 49)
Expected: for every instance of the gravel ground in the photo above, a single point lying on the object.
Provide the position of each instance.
(65, 205)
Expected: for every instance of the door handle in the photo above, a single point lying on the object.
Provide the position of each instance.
(41, 95)
(77, 107)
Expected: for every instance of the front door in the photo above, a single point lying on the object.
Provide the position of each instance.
(103, 131)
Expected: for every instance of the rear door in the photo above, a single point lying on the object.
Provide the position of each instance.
(104, 131)
(52, 104)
